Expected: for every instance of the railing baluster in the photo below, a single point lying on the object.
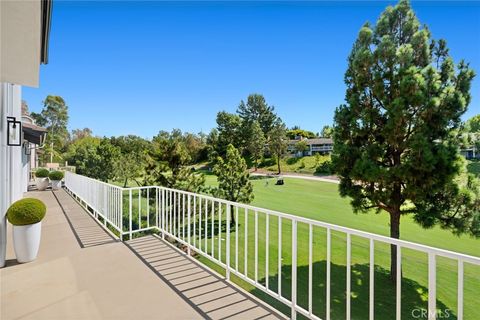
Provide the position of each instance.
(349, 281)
(236, 238)
(212, 227)
(175, 194)
(371, 296)
(460, 291)
(183, 217)
(130, 212)
(170, 210)
(432, 286)
(164, 226)
(399, 283)
(294, 270)
(266, 248)
(227, 258)
(220, 231)
(195, 221)
(279, 256)
(200, 224)
(205, 226)
(246, 243)
(139, 209)
(256, 246)
(189, 224)
(148, 207)
(310, 267)
(329, 239)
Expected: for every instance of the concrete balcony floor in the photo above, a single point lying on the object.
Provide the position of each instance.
(83, 273)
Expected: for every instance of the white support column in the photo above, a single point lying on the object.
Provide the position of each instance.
(11, 182)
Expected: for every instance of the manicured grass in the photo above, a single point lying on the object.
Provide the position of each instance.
(320, 200)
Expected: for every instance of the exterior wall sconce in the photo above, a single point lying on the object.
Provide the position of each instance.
(14, 132)
(26, 146)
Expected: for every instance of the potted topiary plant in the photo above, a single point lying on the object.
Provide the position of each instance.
(56, 179)
(26, 217)
(41, 179)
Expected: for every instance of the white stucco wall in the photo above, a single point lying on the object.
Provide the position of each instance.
(12, 183)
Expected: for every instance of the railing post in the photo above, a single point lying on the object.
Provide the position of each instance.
(227, 273)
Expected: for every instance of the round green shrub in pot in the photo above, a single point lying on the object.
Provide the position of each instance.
(26, 216)
(56, 178)
(41, 178)
(42, 173)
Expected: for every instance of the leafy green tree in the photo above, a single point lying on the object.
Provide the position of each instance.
(296, 132)
(327, 132)
(81, 133)
(256, 143)
(229, 127)
(394, 148)
(257, 109)
(108, 155)
(54, 117)
(168, 163)
(82, 153)
(94, 157)
(233, 179)
(278, 142)
(301, 146)
(473, 124)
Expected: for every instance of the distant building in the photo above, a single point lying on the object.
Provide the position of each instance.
(315, 145)
(470, 153)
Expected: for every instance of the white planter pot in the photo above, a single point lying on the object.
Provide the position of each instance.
(56, 184)
(42, 183)
(26, 241)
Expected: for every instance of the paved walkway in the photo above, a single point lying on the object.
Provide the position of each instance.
(330, 179)
(83, 273)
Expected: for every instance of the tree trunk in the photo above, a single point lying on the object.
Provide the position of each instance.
(394, 233)
(125, 183)
(232, 216)
(278, 164)
(256, 163)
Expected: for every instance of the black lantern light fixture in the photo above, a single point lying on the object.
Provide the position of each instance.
(26, 146)
(14, 132)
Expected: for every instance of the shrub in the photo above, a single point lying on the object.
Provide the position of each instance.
(56, 175)
(325, 167)
(41, 173)
(26, 211)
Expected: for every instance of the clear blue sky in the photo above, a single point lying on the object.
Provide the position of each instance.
(139, 67)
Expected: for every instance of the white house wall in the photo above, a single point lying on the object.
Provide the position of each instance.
(12, 183)
(20, 39)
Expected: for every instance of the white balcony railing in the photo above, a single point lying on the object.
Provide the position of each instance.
(203, 224)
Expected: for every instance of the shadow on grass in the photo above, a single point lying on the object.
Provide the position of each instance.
(292, 160)
(414, 295)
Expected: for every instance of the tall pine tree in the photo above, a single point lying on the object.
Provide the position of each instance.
(394, 143)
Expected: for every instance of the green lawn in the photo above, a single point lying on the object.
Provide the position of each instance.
(320, 200)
